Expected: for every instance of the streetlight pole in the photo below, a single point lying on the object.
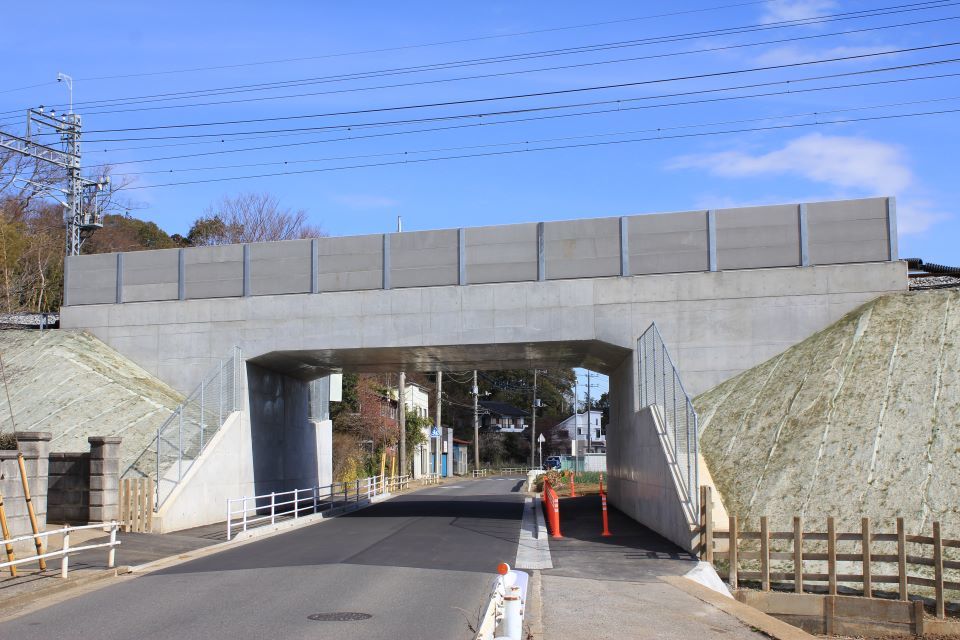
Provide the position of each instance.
(533, 422)
(476, 423)
(436, 458)
(402, 421)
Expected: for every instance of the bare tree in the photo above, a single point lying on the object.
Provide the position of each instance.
(251, 217)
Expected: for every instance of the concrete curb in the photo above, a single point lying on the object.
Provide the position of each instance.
(16, 606)
(252, 535)
(744, 613)
(9, 606)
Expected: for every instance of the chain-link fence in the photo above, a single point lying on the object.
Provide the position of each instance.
(186, 433)
(660, 385)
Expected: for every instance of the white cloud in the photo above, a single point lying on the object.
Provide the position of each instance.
(917, 215)
(840, 161)
(365, 201)
(796, 9)
(852, 166)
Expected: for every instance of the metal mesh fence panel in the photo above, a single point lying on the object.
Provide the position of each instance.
(659, 384)
(191, 426)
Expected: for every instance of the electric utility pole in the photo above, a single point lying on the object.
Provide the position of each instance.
(402, 402)
(533, 425)
(589, 423)
(402, 420)
(476, 423)
(81, 197)
(436, 463)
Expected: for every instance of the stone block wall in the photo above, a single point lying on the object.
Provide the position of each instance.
(72, 488)
(35, 448)
(68, 490)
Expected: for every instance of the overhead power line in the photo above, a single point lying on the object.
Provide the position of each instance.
(426, 44)
(502, 74)
(552, 148)
(618, 109)
(546, 140)
(737, 30)
(537, 94)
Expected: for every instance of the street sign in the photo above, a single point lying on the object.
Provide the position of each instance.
(435, 432)
(541, 438)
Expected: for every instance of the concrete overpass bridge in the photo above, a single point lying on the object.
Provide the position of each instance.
(728, 288)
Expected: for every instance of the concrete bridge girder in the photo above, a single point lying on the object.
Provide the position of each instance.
(716, 324)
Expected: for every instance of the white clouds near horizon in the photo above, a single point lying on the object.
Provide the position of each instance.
(854, 165)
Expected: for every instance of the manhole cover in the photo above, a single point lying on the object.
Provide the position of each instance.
(339, 616)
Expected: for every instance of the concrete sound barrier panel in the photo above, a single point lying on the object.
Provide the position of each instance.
(214, 272)
(758, 237)
(506, 253)
(151, 275)
(582, 248)
(92, 279)
(424, 259)
(280, 267)
(668, 243)
(848, 231)
(353, 263)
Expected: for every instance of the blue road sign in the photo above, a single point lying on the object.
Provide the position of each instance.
(435, 432)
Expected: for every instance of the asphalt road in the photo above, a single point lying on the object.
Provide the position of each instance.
(420, 565)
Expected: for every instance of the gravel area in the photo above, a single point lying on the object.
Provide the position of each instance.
(934, 282)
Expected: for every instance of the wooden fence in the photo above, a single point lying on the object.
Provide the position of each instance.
(866, 541)
(136, 505)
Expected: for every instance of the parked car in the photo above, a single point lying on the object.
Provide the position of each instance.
(552, 462)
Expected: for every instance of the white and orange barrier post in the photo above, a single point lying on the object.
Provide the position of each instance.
(553, 508)
(573, 485)
(603, 505)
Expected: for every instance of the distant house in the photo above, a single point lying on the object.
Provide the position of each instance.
(586, 430)
(500, 417)
(416, 400)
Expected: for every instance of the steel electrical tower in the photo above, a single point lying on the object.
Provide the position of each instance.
(81, 197)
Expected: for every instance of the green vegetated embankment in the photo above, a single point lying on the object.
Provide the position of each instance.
(860, 419)
(74, 386)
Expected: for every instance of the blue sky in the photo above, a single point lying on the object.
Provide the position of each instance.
(110, 48)
(126, 50)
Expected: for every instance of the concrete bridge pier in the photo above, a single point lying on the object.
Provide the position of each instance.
(289, 450)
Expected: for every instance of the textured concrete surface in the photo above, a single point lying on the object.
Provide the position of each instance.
(755, 237)
(74, 386)
(860, 419)
(643, 481)
(420, 565)
(715, 324)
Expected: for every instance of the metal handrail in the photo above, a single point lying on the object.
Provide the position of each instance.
(65, 550)
(318, 499)
(660, 384)
(190, 427)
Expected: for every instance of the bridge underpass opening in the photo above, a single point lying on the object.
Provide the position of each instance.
(278, 383)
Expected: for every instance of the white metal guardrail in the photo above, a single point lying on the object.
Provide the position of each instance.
(660, 384)
(65, 548)
(248, 511)
(506, 608)
(183, 437)
(430, 478)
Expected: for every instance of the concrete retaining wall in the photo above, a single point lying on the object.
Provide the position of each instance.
(642, 477)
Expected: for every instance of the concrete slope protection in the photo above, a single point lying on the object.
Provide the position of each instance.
(860, 419)
(418, 566)
(74, 386)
